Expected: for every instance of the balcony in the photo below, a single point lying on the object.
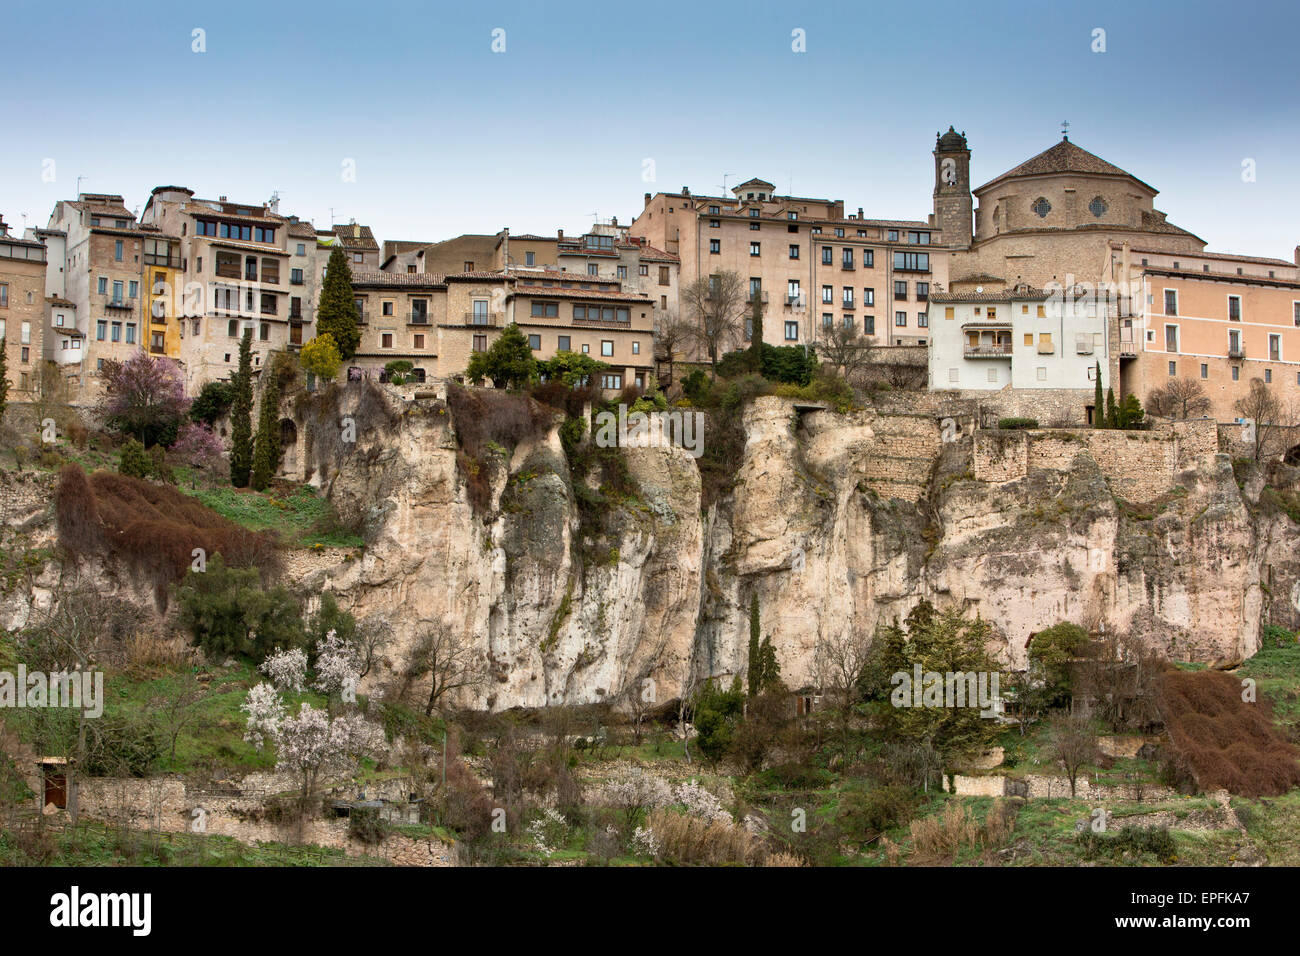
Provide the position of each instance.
(1237, 351)
(848, 265)
(848, 304)
(794, 301)
(988, 350)
(761, 296)
(363, 316)
(167, 262)
(296, 280)
(417, 318)
(900, 296)
(486, 319)
(120, 304)
(922, 297)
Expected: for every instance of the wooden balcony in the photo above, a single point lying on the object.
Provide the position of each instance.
(987, 350)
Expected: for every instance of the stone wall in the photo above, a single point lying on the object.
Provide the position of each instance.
(1035, 787)
(1139, 465)
(902, 454)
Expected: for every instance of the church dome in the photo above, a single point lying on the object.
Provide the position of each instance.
(952, 140)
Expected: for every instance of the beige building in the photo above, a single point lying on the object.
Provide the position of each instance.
(235, 273)
(22, 312)
(358, 244)
(102, 276)
(812, 265)
(1219, 320)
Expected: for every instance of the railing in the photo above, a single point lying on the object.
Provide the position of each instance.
(794, 301)
(167, 262)
(605, 323)
(485, 319)
(848, 305)
(762, 297)
(363, 316)
(900, 296)
(848, 265)
(1236, 351)
(296, 280)
(119, 304)
(417, 318)
(987, 351)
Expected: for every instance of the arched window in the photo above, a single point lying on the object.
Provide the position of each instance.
(1041, 207)
(1098, 206)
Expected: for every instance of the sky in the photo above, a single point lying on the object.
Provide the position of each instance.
(403, 116)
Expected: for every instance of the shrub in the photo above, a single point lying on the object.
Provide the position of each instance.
(134, 461)
(875, 811)
(199, 447)
(1011, 424)
(226, 611)
(212, 402)
(1131, 840)
(689, 839)
(397, 371)
(365, 824)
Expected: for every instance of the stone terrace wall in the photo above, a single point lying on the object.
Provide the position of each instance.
(1140, 465)
(903, 453)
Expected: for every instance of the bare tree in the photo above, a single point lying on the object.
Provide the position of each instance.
(900, 375)
(1180, 398)
(449, 660)
(1264, 412)
(176, 710)
(846, 350)
(1073, 745)
(839, 663)
(717, 304)
(672, 335)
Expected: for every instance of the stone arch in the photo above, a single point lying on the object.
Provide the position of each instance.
(1293, 455)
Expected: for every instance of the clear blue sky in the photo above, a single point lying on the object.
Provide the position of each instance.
(449, 137)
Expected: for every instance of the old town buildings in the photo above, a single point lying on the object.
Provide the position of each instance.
(1021, 290)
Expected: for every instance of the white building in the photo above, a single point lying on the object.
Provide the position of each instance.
(1021, 338)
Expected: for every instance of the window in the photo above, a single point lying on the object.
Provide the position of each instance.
(547, 310)
(900, 290)
(117, 251)
(754, 248)
(267, 234)
(993, 374)
(529, 259)
(715, 246)
(792, 331)
(923, 320)
(1042, 373)
(1268, 376)
(228, 265)
(1041, 207)
(268, 303)
(715, 224)
(358, 257)
(1029, 338)
(232, 328)
(912, 261)
(922, 291)
(1171, 338)
(25, 333)
(4, 299)
(900, 319)
(386, 308)
(1173, 369)
(1171, 302)
(132, 290)
(419, 340)
(868, 325)
(643, 270)
(563, 344)
(828, 320)
(611, 381)
(467, 265)
(1275, 348)
(101, 330)
(593, 269)
(663, 275)
(868, 296)
(117, 332)
(636, 348)
(828, 294)
(846, 297)
(839, 232)
(295, 277)
(893, 235)
(794, 252)
(714, 210)
(606, 347)
(1295, 313)
(848, 322)
(826, 255)
(130, 333)
(1234, 308)
(480, 343)
(271, 271)
(385, 340)
(1042, 312)
(868, 258)
(535, 342)
(754, 227)
(102, 287)
(586, 349)
(621, 272)
(792, 215)
(1236, 372)
(1205, 370)
(264, 331)
(1098, 206)
(846, 258)
(919, 238)
(949, 312)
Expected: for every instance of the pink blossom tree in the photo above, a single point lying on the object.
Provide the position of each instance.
(144, 397)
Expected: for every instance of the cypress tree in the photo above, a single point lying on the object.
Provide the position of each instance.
(755, 673)
(1097, 407)
(4, 375)
(337, 315)
(1112, 415)
(756, 332)
(241, 415)
(266, 451)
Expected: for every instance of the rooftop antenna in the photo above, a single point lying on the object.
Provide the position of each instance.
(79, 179)
(723, 187)
(1065, 129)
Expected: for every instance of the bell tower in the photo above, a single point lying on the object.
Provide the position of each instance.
(952, 198)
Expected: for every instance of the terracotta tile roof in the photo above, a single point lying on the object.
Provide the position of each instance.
(1226, 256)
(415, 280)
(1063, 157)
(543, 291)
(240, 244)
(302, 230)
(476, 276)
(102, 204)
(354, 236)
(1221, 277)
(1001, 295)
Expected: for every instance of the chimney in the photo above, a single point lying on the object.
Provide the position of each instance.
(647, 202)
(559, 234)
(221, 199)
(859, 212)
(614, 222)
(686, 191)
(4, 229)
(1297, 255)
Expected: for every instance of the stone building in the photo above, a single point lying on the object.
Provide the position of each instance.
(812, 265)
(22, 312)
(358, 244)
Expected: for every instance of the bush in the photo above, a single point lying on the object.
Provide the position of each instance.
(1012, 424)
(876, 811)
(212, 402)
(365, 824)
(1137, 841)
(1275, 636)
(226, 612)
(134, 461)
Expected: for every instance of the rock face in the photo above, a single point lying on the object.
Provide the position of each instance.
(655, 595)
(835, 522)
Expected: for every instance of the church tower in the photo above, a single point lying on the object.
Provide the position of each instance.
(952, 197)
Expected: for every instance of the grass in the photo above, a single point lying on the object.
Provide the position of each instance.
(1276, 672)
(300, 517)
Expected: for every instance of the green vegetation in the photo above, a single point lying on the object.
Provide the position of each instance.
(241, 415)
(337, 313)
(302, 519)
(507, 363)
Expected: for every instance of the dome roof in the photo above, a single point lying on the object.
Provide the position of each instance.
(951, 140)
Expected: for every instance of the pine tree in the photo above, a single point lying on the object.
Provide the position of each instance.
(1131, 412)
(266, 449)
(1112, 415)
(771, 667)
(337, 315)
(241, 415)
(755, 673)
(1097, 407)
(4, 375)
